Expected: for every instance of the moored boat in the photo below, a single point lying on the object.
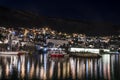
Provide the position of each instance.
(85, 55)
(12, 52)
(56, 53)
(114, 52)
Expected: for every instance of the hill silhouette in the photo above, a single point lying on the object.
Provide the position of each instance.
(20, 18)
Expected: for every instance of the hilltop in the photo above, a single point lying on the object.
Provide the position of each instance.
(19, 18)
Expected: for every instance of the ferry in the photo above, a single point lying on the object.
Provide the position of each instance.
(56, 53)
(114, 52)
(85, 55)
(12, 52)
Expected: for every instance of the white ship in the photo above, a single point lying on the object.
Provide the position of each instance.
(12, 52)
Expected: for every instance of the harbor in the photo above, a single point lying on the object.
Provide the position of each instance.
(59, 40)
(46, 55)
(43, 39)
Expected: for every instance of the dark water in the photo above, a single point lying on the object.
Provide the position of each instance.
(41, 67)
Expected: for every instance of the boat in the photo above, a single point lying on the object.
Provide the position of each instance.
(12, 52)
(114, 52)
(56, 53)
(85, 55)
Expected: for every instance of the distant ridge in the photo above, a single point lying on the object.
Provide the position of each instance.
(20, 18)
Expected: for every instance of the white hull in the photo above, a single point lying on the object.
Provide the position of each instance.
(12, 52)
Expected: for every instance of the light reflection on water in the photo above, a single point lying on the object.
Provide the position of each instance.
(41, 67)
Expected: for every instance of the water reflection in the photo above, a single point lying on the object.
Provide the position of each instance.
(42, 67)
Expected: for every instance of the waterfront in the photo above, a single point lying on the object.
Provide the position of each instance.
(41, 67)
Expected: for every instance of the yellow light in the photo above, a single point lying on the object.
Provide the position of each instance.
(53, 32)
(60, 33)
(46, 28)
(65, 34)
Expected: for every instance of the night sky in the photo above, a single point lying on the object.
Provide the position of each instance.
(108, 11)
